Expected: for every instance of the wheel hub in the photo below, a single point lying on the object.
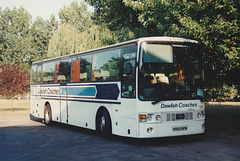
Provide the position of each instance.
(102, 124)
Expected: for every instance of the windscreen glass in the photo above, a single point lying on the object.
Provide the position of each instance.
(169, 72)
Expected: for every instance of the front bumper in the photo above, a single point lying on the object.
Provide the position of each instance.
(151, 130)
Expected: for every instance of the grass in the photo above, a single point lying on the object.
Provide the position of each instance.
(221, 119)
(20, 107)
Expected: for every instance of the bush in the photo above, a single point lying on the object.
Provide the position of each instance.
(229, 92)
(222, 93)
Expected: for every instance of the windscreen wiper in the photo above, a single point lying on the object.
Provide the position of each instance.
(167, 99)
(156, 101)
(161, 99)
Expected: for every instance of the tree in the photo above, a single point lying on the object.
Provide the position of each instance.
(215, 23)
(41, 33)
(63, 41)
(118, 17)
(77, 15)
(75, 33)
(14, 80)
(67, 40)
(22, 41)
(14, 39)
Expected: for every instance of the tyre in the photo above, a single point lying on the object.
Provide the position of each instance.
(47, 115)
(104, 126)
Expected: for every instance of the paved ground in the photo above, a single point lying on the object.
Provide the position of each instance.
(23, 139)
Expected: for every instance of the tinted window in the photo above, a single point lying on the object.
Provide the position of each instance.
(34, 74)
(169, 72)
(128, 76)
(85, 70)
(106, 65)
(63, 70)
(48, 72)
(39, 72)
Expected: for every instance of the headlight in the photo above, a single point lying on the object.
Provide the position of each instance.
(149, 117)
(201, 114)
(150, 130)
(158, 117)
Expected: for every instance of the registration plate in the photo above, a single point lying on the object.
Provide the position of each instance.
(181, 128)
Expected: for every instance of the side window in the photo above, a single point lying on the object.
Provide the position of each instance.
(34, 74)
(48, 72)
(105, 65)
(63, 70)
(85, 67)
(39, 72)
(128, 86)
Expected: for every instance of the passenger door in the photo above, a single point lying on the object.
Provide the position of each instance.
(63, 75)
(64, 103)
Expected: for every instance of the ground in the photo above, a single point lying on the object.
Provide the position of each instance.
(20, 107)
(222, 119)
(24, 139)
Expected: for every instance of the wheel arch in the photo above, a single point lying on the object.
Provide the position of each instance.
(99, 111)
(47, 107)
(47, 103)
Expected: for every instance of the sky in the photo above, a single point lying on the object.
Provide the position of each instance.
(42, 8)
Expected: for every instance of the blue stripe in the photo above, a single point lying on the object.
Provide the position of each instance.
(107, 91)
(82, 91)
(97, 91)
(63, 91)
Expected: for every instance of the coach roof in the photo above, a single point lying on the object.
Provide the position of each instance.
(163, 39)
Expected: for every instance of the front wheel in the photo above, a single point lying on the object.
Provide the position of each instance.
(47, 115)
(104, 126)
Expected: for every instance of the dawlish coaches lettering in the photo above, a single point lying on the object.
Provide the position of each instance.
(49, 91)
(181, 105)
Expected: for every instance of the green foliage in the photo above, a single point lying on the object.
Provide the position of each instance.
(22, 42)
(223, 93)
(77, 15)
(41, 32)
(14, 41)
(63, 41)
(229, 92)
(215, 23)
(76, 32)
(67, 40)
(95, 37)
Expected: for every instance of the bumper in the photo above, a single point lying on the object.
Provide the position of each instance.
(171, 129)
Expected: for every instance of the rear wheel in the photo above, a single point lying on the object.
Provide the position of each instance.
(104, 126)
(47, 115)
